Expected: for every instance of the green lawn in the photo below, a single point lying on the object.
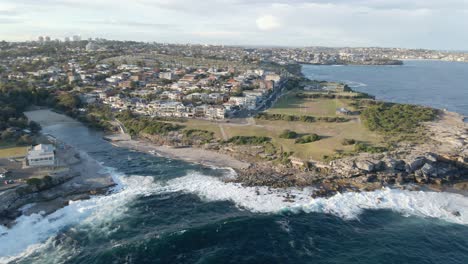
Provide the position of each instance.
(12, 151)
(203, 125)
(333, 133)
(292, 105)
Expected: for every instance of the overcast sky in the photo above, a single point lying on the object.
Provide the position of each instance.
(435, 24)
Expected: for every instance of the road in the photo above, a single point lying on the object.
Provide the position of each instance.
(267, 103)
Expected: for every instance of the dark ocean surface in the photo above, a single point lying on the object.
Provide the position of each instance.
(168, 211)
(437, 84)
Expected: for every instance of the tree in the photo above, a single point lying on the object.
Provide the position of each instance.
(25, 140)
(68, 101)
(34, 127)
(7, 135)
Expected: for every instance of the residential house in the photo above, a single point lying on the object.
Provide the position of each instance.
(166, 75)
(41, 155)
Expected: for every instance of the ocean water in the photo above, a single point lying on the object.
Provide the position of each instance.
(169, 211)
(437, 84)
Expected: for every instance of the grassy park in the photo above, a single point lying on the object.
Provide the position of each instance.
(290, 104)
(320, 133)
(8, 151)
(332, 133)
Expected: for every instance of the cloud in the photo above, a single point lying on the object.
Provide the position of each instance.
(402, 23)
(268, 22)
(9, 21)
(129, 23)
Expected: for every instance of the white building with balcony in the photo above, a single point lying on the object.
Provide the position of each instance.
(41, 155)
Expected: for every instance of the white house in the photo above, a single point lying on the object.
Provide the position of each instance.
(166, 75)
(41, 155)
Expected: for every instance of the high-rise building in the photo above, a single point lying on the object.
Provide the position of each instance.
(41, 39)
(76, 38)
(47, 39)
(91, 46)
(67, 39)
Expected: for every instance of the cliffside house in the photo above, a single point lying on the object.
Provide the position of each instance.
(41, 155)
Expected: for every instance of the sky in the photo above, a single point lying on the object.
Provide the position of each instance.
(431, 24)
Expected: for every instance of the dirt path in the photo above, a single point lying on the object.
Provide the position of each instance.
(223, 133)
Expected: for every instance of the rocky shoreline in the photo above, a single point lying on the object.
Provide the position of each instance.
(83, 178)
(439, 164)
(79, 178)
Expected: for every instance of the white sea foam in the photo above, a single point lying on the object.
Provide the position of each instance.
(447, 206)
(354, 84)
(30, 232)
(35, 231)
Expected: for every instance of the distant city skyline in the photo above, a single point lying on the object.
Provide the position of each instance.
(428, 24)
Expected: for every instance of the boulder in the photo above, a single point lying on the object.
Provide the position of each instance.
(365, 165)
(371, 178)
(401, 178)
(419, 179)
(389, 180)
(438, 181)
(394, 165)
(429, 170)
(378, 165)
(345, 167)
(431, 157)
(415, 164)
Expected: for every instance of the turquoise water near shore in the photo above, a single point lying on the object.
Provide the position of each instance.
(169, 211)
(437, 84)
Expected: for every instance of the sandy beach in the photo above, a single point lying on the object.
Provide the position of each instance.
(195, 155)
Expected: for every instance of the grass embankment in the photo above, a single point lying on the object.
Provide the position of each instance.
(12, 151)
(141, 124)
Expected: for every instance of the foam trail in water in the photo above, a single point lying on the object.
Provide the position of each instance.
(446, 206)
(354, 84)
(31, 232)
(28, 234)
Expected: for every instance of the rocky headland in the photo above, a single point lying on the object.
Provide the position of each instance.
(440, 163)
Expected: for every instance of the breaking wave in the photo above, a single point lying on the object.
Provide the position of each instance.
(354, 84)
(30, 232)
(33, 232)
(447, 206)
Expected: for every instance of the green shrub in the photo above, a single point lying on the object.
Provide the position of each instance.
(248, 140)
(288, 134)
(396, 118)
(34, 182)
(308, 139)
(203, 135)
(362, 147)
(306, 119)
(347, 142)
(136, 124)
